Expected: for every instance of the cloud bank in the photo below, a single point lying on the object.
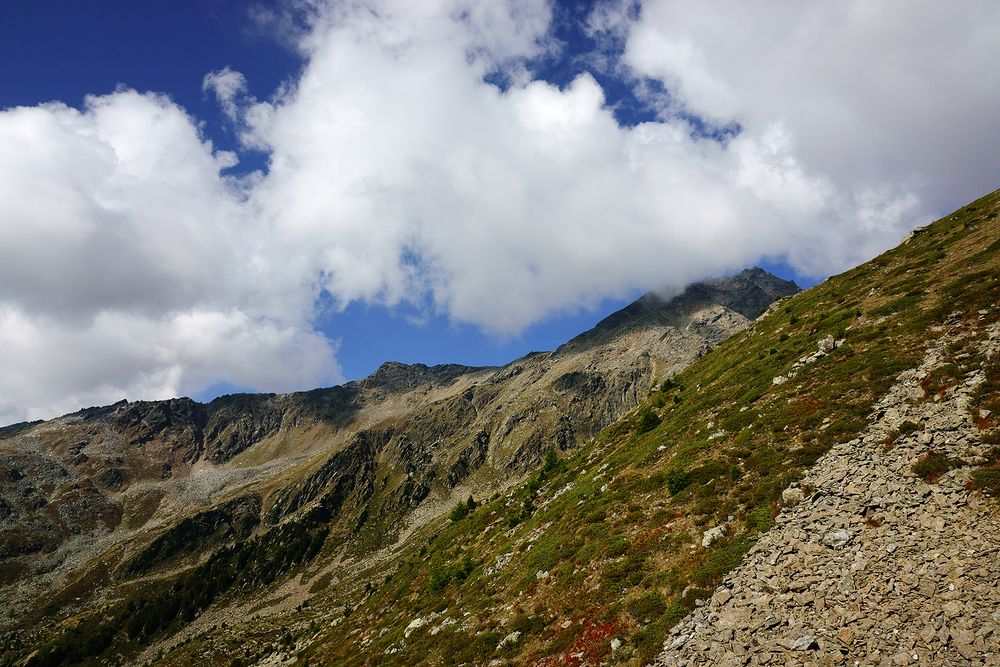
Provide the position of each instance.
(133, 265)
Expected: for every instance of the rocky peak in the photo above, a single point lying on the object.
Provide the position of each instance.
(395, 376)
(748, 293)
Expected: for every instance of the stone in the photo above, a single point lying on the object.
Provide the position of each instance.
(418, 623)
(880, 568)
(542, 575)
(615, 644)
(713, 535)
(510, 639)
(846, 635)
(805, 643)
(792, 495)
(836, 539)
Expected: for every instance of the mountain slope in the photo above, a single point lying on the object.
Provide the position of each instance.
(879, 562)
(126, 506)
(601, 552)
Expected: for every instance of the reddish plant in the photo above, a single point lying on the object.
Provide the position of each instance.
(590, 647)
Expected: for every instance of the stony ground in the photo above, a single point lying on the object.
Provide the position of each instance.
(869, 565)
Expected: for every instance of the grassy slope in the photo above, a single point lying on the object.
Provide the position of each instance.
(617, 525)
(622, 544)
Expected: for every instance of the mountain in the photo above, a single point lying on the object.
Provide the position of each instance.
(106, 502)
(682, 485)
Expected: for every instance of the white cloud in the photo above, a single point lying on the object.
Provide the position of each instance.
(131, 266)
(898, 97)
(229, 88)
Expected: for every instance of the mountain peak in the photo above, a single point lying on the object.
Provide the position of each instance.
(397, 376)
(748, 293)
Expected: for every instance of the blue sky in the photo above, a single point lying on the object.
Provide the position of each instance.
(260, 198)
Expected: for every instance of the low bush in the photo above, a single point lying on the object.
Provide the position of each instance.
(932, 465)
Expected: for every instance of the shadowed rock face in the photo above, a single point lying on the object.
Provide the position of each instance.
(169, 481)
(234, 519)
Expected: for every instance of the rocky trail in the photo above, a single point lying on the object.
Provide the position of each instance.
(869, 564)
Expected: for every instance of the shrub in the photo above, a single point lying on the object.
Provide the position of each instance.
(463, 509)
(932, 465)
(677, 481)
(987, 480)
(649, 606)
(720, 561)
(940, 380)
(760, 519)
(906, 428)
(527, 625)
(648, 420)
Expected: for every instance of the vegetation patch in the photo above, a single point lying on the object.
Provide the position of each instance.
(930, 466)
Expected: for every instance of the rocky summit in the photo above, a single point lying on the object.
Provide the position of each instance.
(737, 473)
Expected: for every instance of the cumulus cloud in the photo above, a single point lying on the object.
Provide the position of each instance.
(892, 99)
(131, 265)
(130, 268)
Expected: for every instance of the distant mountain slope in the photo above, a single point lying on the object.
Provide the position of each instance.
(95, 501)
(602, 550)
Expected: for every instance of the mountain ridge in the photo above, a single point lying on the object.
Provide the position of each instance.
(166, 483)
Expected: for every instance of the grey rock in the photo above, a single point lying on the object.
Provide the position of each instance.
(837, 538)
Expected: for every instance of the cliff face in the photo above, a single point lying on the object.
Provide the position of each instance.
(149, 487)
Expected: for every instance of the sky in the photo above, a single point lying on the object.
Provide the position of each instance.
(204, 196)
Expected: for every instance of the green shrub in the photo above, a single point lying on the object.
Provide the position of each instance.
(720, 561)
(932, 465)
(649, 606)
(462, 510)
(987, 480)
(648, 420)
(677, 481)
(527, 625)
